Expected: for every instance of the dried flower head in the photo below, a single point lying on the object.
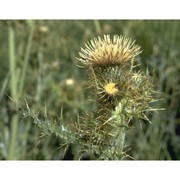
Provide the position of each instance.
(107, 51)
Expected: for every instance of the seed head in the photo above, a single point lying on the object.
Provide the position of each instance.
(107, 51)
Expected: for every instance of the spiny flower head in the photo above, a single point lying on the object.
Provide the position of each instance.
(109, 85)
(107, 51)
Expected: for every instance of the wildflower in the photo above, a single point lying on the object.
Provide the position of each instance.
(43, 29)
(111, 88)
(69, 82)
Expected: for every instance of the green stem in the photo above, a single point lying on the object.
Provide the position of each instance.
(97, 26)
(26, 59)
(119, 132)
(13, 90)
(12, 63)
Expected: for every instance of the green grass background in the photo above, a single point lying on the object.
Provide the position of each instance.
(37, 58)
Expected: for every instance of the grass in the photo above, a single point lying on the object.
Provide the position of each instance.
(37, 60)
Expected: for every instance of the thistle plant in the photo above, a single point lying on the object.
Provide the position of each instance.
(122, 95)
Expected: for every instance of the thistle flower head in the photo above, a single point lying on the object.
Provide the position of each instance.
(107, 51)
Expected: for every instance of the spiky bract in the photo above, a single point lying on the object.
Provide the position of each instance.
(96, 131)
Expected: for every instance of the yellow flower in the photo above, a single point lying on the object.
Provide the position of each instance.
(111, 88)
(107, 51)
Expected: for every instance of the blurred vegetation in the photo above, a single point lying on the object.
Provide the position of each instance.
(38, 66)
